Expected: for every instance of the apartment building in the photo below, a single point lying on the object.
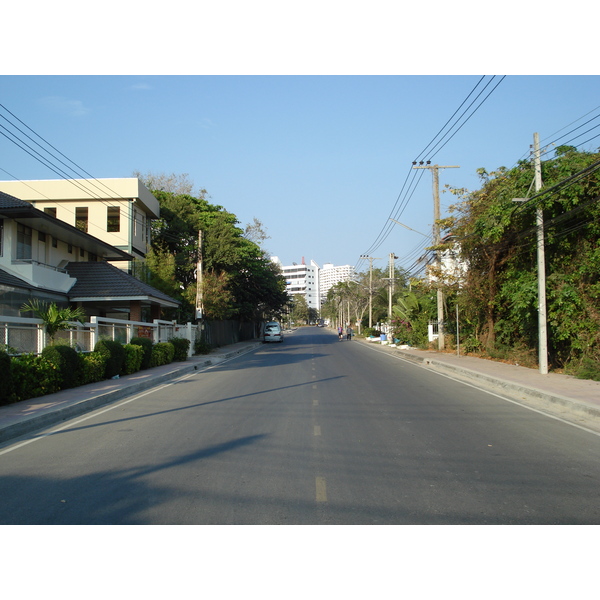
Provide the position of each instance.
(302, 279)
(330, 275)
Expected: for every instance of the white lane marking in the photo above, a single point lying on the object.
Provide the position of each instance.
(317, 430)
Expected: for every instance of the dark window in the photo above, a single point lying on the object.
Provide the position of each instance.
(41, 236)
(51, 211)
(23, 241)
(81, 219)
(1, 237)
(113, 218)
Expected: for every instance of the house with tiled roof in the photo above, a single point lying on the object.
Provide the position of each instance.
(118, 211)
(46, 258)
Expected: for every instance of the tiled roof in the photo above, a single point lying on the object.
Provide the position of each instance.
(103, 280)
(8, 279)
(8, 201)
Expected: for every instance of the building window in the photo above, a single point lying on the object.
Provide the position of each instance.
(113, 219)
(54, 242)
(23, 242)
(81, 218)
(50, 211)
(41, 236)
(1, 237)
(70, 248)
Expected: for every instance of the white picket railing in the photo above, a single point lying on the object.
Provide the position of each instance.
(20, 335)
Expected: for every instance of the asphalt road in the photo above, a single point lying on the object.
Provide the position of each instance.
(311, 431)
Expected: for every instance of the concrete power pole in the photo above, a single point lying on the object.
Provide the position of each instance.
(391, 279)
(371, 259)
(436, 241)
(541, 263)
(199, 306)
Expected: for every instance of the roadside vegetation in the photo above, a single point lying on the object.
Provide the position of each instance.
(496, 299)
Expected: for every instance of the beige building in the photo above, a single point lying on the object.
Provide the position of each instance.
(116, 211)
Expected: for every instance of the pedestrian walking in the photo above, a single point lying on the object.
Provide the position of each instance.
(349, 333)
(340, 332)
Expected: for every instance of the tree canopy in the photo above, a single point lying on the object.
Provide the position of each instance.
(238, 278)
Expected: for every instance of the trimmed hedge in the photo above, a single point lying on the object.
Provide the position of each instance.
(146, 344)
(114, 354)
(181, 346)
(133, 359)
(33, 376)
(66, 360)
(7, 388)
(91, 368)
(162, 354)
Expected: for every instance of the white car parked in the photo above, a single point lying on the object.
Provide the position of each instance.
(273, 332)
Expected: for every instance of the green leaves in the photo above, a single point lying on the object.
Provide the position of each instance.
(55, 319)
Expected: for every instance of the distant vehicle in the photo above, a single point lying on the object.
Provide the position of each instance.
(272, 332)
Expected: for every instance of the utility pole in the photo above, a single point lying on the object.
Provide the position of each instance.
(199, 306)
(391, 280)
(541, 262)
(371, 259)
(436, 241)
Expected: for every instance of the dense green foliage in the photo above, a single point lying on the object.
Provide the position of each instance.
(132, 362)
(7, 387)
(66, 360)
(146, 344)
(114, 354)
(498, 303)
(181, 347)
(239, 281)
(92, 366)
(33, 376)
(162, 354)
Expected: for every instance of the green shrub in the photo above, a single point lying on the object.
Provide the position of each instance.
(66, 360)
(33, 376)
(134, 354)
(181, 346)
(201, 346)
(146, 344)
(92, 366)
(7, 387)
(162, 354)
(589, 369)
(114, 354)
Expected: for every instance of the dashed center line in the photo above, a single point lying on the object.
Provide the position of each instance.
(317, 430)
(321, 489)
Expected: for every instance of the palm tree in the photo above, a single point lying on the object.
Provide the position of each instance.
(55, 319)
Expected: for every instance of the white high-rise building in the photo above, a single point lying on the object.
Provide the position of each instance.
(330, 275)
(302, 279)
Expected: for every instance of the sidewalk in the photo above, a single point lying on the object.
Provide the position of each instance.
(576, 400)
(29, 415)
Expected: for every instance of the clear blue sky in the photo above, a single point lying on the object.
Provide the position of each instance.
(309, 119)
(320, 160)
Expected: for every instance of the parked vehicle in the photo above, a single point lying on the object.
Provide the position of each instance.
(273, 332)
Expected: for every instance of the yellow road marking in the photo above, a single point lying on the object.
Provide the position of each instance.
(321, 489)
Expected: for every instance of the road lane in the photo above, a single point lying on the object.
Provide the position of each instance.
(310, 431)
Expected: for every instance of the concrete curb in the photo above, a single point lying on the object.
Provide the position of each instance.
(515, 390)
(55, 415)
